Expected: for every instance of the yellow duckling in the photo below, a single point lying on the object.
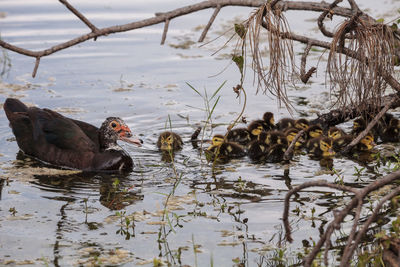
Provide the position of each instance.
(365, 144)
(291, 134)
(223, 149)
(335, 133)
(265, 147)
(391, 131)
(169, 142)
(244, 136)
(359, 125)
(302, 124)
(314, 131)
(320, 147)
(285, 123)
(268, 121)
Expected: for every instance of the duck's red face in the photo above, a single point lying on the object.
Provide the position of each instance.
(123, 132)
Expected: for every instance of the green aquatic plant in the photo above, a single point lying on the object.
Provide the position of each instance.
(127, 225)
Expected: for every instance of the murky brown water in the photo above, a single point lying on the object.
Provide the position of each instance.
(221, 218)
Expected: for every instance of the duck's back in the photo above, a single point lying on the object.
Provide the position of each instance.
(49, 136)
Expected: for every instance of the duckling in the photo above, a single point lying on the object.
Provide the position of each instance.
(335, 133)
(365, 144)
(265, 146)
(272, 138)
(359, 125)
(169, 142)
(320, 147)
(340, 143)
(255, 128)
(244, 136)
(302, 124)
(391, 131)
(239, 135)
(223, 149)
(314, 131)
(285, 123)
(291, 134)
(268, 121)
(275, 153)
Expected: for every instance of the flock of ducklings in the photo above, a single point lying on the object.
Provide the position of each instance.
(265, 141)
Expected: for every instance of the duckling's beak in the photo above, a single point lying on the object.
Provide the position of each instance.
(125, 135)
(329, 153)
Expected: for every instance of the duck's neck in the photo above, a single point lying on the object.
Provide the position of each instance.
(108, 142)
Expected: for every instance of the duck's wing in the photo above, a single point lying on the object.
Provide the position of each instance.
(52, 128)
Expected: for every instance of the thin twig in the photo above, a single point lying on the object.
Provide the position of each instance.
(36, 67)
(289, 151)
(210, 22)
(79, 15)
(303, 75)
(164, 35)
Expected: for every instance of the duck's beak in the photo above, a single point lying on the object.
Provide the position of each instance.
(126, 135)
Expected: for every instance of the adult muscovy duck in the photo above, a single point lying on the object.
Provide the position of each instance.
(61, 141)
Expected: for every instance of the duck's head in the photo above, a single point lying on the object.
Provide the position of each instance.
(256, 128)
(368, 141)
(335, 133)
(302, 124)
(326, 146)
(394, 124)
(315, 131)
(291, 134)
(359, 124)
(166, 141)
(268, 117)
(113, 129)
(217, 140)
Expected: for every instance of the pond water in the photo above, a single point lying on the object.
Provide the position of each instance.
(181, 213)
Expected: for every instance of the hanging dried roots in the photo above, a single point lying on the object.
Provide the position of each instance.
(361, 55)
(274, 74)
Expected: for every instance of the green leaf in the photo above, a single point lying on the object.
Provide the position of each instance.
(394, 27)
(380, 20)
(194, 89)
(239, 60)
(240, 30)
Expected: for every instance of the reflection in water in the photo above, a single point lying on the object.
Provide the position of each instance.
(116, 191)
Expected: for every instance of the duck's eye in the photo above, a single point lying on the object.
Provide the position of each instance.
(114, 124)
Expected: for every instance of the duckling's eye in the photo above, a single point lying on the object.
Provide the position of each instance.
(169, 138)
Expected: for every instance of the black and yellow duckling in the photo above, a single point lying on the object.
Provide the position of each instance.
(272, 138)
(359, 125)
(302, 124)
(239, 135)
(244, 136)
(335, 133)
(169, 142)
(291, 134)
(268, 147)
(268, 121)
(314, 131)
(222, 149)
(320, 147)
(285, 123)
(365, 144)
(390, 130)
